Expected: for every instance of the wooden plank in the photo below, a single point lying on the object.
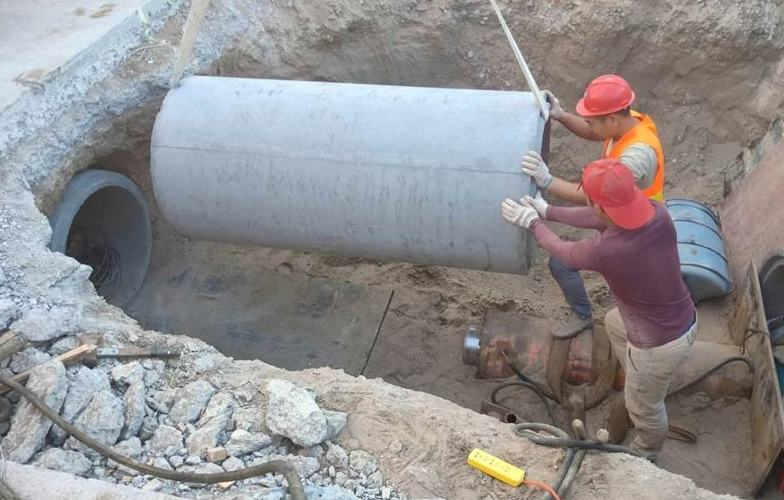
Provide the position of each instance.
(66, 358)
(752, 216)
(767, 421)
(10, 344)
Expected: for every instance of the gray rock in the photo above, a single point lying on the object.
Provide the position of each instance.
(64, 345)
(337, 455)
(316, 451)
(233, 463)
(27, 359)
(202, 468)
(128, 373)
(83, 385)
(193, 459)
(311, 493)
(204, 364)
(8, 312)
(153, 369)
(135, 408)
(386, 493)
(336, 421)
(341, 478)
(243, 442)
(293, 413)
(154, 485)
(102, 420)
(41, 324)
(190, 401)
(138, 481)
(164, 400)
(375, 480)
(249, 419)
(148, 428)
(176, 461)
(29, 427)
(362, 462)
(162, 463)
(130, 448)
(71, 462)
(166, 440)
(212, 424)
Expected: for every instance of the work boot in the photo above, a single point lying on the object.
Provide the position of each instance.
(572, 326)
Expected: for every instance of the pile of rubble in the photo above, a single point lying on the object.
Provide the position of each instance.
(195, 428)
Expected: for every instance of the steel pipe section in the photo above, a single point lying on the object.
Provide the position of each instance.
(102, 220)
(393, 173)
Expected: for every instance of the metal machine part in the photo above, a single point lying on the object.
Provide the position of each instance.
(393, 173)
(700, 248)
(103, 222)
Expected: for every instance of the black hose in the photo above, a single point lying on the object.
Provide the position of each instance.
(535, 389)
(554, 442)
(563, 471)
(711, 372)
(289, 472)
(525, 378)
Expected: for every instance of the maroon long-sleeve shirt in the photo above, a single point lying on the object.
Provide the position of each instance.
(641, 267)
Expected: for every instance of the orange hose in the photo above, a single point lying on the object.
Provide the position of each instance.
(543, 486)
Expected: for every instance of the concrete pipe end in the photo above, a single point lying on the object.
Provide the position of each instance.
(103, 222)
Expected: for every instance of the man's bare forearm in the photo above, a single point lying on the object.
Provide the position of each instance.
(578, 127)
(567, 191)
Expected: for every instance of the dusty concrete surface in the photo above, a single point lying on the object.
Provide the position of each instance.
(34, 483)
(688, 64)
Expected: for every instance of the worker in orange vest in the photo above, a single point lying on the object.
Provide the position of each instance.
(605, 114)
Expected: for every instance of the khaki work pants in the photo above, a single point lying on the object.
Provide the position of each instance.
(648, 376)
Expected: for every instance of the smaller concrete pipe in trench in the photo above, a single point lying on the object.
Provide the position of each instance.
(393, 173)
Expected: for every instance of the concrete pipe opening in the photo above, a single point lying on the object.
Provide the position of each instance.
(103, 222)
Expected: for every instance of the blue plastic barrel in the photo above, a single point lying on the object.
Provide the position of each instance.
(700, 248)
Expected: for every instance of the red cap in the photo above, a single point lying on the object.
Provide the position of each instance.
(606, 94)
(610, 184)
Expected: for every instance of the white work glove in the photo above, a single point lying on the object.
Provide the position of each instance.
(539, 204)
(534, 165)
(521, 213)
(556, 111)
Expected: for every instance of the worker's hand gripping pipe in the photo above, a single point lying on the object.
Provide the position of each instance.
(296, 490)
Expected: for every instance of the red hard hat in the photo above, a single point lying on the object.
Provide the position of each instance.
(607, 94)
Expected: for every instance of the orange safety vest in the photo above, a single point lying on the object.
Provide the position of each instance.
(644, 132)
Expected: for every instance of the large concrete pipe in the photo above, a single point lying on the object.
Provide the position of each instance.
(393, 173)
(103, 222)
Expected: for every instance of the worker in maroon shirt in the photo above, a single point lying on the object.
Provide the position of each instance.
(654, 325)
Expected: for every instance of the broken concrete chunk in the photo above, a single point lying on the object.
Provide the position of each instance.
(212, 424)
(8, 312)
(153, 369)
(336, 421)
(162, 463)
(293, 413)
(27, 359)
(232, 464)
(306, 466)
(128, 373)
(64, 345)
(29, 426)
(130, 448)
(71, 462)
(249, 419)
(216, 454)
(311, 493)
(166, 440)
(362, 462)
(83, 385)
(190, 401)
(374, 480)
(102, 420)
(336, 455)
(41, 325)
(135, 409)
(243, 442)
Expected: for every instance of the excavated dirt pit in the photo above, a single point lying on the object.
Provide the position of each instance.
(405, 323)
